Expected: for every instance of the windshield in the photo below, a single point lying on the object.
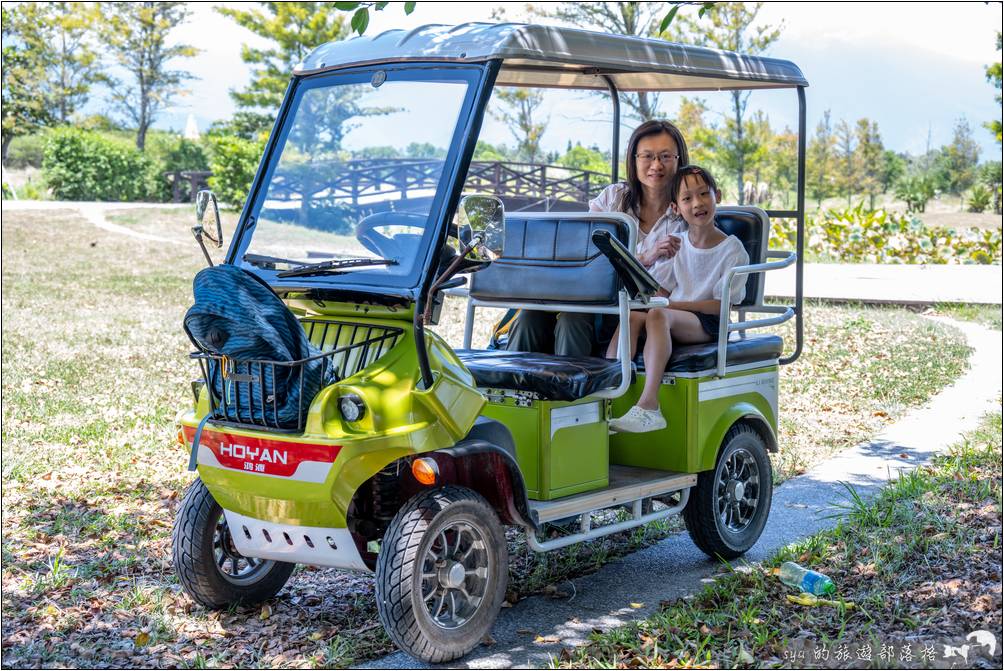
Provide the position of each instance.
(357, 175)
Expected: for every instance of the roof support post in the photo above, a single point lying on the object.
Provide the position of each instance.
(800, 236)
(615, 144)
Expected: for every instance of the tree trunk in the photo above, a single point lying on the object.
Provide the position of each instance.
(6, 146)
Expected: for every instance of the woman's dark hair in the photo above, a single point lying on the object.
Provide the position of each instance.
(632, 198)
(683, 173)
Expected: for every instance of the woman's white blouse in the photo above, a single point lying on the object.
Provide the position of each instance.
(611, 199)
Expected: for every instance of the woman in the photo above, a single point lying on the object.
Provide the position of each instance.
(654, 152)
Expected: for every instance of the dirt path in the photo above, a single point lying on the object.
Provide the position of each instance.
(94, 214)
(675, 567)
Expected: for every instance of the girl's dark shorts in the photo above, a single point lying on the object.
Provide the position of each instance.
(709, 323)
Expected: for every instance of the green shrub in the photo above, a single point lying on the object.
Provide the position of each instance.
(860, 235)
(915, 191)
(980, 198)
(169, 153)
(233, 161)
(82, 165)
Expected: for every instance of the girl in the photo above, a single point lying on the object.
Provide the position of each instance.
(692, 280)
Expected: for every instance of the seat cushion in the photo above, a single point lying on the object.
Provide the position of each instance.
(554, 378)
(696, 358)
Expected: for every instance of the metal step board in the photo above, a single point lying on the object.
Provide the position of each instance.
(629, 486)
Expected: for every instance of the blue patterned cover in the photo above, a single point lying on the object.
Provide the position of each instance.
(238, 316)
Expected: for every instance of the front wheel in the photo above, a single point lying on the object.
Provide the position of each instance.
(441, 574)
(209, 567)
(728, 508)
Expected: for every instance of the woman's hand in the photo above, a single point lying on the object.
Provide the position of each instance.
(666, 248)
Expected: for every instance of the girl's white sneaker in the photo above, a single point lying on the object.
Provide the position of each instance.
(638, 420)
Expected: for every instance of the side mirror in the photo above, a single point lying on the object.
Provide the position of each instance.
(484, 216)
(207, 217)
(207, 222)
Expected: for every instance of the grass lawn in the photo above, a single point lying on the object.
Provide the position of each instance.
(95, 368)
(920, 563)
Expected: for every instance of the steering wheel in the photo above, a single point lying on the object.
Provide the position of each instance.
(399, 245)
(391, 247)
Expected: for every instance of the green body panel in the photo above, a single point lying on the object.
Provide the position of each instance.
(400, 420)
(696, 422)
(665, 450)
(750, 399)
(561, 447)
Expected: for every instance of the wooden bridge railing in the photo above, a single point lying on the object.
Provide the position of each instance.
(359, 180)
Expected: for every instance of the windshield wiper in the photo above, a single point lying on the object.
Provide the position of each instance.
(267, 262)
(334, 266)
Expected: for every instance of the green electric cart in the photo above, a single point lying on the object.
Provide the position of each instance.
(412, 462)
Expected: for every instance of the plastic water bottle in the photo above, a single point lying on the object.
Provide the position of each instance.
(806, 580)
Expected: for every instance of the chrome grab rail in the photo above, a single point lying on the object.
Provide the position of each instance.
(725, 328)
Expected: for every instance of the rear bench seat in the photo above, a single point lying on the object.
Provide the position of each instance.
(552, 260)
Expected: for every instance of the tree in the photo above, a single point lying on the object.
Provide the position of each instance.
(730, 26)
(699, 133)
(26, 95)
(869, 159)
(955, 165)
(76, 66)
(582, 158)
(820, 161)
(135, 34)
(994, 74)
(847, 161)
(518, 108)
(893, 167)
(296, 28)
(640, 19)
(783, 164)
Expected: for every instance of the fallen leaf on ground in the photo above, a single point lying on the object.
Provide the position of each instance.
(266, 612)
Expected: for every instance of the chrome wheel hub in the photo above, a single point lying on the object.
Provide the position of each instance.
(737, 490)
(455, 570)
(232, 565)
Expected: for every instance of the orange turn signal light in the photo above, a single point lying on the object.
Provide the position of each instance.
(181, 437)
(426, 471)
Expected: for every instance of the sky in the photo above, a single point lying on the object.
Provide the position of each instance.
(915, 68)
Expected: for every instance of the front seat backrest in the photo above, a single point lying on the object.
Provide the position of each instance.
(752, 226)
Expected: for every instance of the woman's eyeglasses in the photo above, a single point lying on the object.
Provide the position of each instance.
(665, 157)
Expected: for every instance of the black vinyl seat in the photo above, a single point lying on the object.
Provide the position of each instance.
(553, 377)
(702, 357)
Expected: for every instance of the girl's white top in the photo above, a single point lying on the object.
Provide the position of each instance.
(611, 199)
(696, 274)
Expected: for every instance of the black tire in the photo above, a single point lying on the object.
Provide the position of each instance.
(720, 524)
(415, 547)
(202, 548)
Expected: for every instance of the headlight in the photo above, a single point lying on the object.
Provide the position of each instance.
(352, 408)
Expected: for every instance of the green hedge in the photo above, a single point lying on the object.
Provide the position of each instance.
(233, 161)
(105, 165)
(82, 165)
(860, 235)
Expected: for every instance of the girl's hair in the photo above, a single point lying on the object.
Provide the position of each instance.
(682, 173)
(632, 198)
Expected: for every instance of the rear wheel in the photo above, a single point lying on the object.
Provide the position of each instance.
(728, 508)
(441, 574)
(209, 567)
